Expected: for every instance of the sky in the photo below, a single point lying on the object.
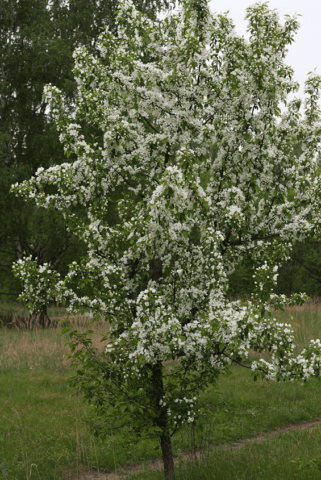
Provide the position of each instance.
(305, 52)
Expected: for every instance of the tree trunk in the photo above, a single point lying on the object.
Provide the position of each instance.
(161, 422)
(41, 319)
(18, 247)
(166, 445)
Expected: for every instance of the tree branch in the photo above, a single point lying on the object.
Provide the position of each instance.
(313, 273)
(235, 361)
(55, 264)
(149, 124)
(128, 183)
(237, 242)
(167, 154)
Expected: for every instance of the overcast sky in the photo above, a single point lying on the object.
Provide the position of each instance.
(305, 53)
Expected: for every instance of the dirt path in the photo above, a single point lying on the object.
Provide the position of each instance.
(130, 469)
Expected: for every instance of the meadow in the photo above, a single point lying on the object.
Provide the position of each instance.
(44, 432)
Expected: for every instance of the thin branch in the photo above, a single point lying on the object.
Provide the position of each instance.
(237, 242)
(312, 272)
(235, 361)
(43, 252)
(55, 264)
(167, 154)
(155, 104)
(149, 124)
(128, 183)
(148, 176)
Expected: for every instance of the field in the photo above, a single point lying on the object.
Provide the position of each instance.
(43, 431)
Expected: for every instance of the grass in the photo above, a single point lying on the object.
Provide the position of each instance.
(271, 459)
(15, 312)
(42, 433)
(40, 349)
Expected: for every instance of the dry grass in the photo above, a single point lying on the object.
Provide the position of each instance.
(21, 347)
(305, 321)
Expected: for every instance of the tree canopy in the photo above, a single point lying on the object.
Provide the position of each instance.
(167, 221)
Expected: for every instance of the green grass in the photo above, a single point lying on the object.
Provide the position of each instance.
(276, 458)
(42, 434)
(41, 422)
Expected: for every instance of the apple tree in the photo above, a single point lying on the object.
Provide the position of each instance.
(180, 220)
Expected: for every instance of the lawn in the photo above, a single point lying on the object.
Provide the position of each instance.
(43, 434)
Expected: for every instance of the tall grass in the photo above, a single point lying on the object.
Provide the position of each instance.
(22, 347)
(305, 320)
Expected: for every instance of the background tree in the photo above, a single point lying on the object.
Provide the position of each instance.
(301, 272)
(37, 38)
(182, 219)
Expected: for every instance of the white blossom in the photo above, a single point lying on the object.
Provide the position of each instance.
(167, 219)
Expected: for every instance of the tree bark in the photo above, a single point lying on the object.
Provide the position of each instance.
(168, 460)
(161, 421)
(18, 247)
(39, 320)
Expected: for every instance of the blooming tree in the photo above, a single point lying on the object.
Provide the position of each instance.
(168, 221)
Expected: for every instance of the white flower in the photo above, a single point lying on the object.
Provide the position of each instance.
(165, 221)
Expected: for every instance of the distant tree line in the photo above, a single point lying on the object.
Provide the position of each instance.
(37, 40)
(300, 273)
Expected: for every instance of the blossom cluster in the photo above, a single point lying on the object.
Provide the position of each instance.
(184, 165)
